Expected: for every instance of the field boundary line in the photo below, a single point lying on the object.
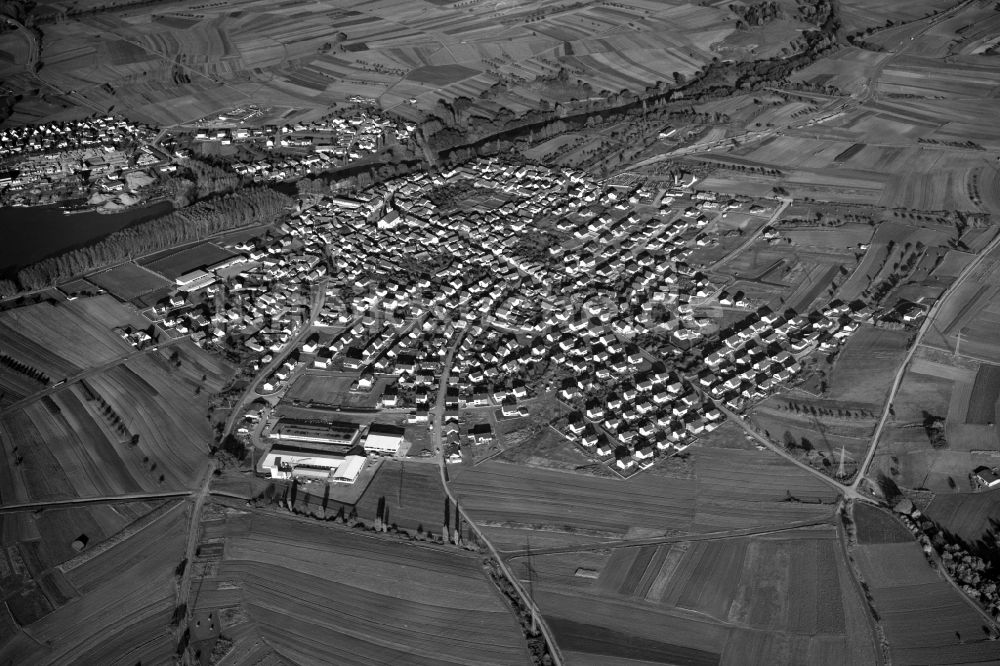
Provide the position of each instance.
(84, 501)
(654, 541)
(121, 536)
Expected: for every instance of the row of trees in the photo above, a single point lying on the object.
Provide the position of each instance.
(24, 369)
(243, 208)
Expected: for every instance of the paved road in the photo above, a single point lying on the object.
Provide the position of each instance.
(928, 322)
(250, 392)
(438, 422)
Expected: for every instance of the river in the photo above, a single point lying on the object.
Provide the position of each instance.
(34, 233)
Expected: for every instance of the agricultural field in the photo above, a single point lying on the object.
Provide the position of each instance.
(968, 516)
(968, 312)
(51, 533)
(787, 597)
(876, 525)
(303, 57)
(310, 590)
(729, 489)
(138, 426)
(837, 425)
(61, 340)
(129, 281)
(892, 244)
(123, 599)
(172, 264)
(859, 15)
(925, 619)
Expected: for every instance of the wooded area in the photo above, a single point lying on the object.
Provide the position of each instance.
(203, 219)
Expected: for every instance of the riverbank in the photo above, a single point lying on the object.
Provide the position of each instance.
(33, 233)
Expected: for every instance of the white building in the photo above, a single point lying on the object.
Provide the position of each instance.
(307, 462)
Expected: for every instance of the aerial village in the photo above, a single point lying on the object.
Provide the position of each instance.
(101, 157)
(110, 161)
(305, 147)
(520, 283)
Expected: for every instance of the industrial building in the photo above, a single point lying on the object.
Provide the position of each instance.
(384, 439)
(340, 433)
(312, 461)
(195, 280)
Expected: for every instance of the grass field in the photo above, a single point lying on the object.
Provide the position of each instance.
(326, 388)
(172, 264)
(311, 590)
(410, 493)
(865, 368)
(129, 281)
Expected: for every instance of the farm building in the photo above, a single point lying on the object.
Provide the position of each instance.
(384, 439)
(312, 461)
(329, 432)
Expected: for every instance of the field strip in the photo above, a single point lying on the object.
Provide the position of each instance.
(710, 536)
(126, 533)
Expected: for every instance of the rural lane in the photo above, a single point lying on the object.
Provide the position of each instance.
(84, 501)
(849, 492)
(898, 379)
(785, 203)
(438, 422)
(194, 530)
